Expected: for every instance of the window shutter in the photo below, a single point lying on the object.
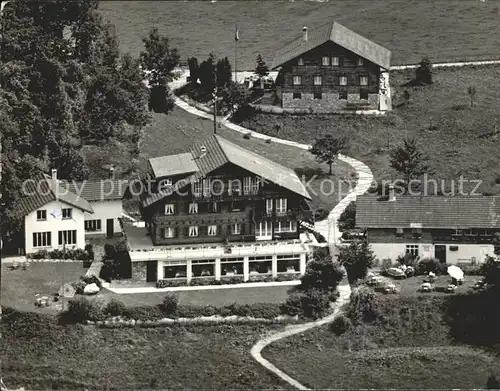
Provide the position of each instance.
(186, 231)
(162, 233)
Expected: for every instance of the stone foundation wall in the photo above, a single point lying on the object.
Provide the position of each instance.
(329, 102)
(139, 271)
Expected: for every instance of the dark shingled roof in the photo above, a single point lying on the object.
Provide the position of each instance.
(428, 211)
(219, 152)
(340, 35)
(41, 191)
(101, 190)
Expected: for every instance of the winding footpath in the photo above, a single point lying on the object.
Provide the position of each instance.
(328, 228)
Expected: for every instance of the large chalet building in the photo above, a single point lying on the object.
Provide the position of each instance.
(219, 211)
(333, 69)
(455, 230)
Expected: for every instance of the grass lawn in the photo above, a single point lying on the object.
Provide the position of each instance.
(403, 368)
(445, 30)
(411, 344)
(46, 356)
(19, 287)
(174, 133)
(458, 139)
(215, 297)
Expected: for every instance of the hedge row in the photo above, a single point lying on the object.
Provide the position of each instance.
(78, 254)
(226, 281)
(82, 309)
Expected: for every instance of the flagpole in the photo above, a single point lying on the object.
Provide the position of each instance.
(236, 38)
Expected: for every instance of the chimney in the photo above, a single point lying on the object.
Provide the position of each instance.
(54, 177)
(111, 172)
(304, 33)
(392, 194)
(203, 151)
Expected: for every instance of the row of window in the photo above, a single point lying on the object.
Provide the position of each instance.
(66, 214)
(208, 187)
(194, 230)
(318, 80)
(92, 225)
(44, 239)
(363, 95)
(279, 205)
(263, 229)
(335, 61)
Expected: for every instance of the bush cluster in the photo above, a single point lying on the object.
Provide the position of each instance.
(77, 254)
(313, 303)
(341, 325)
(83, 309)
(427, 265)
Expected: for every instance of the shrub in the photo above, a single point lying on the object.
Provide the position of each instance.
(115, 308)
(109, 251)
(315, 304)
(89, 249)
(427, 265)
(340, 325)
(347, 219)
(82, 309)
(286, 277)
(407, 260)
(320, 238)
(362, 306)
(357, 258)
(247, 136)
(322, 274)
(79, 286)
(293, 304)
(92, 280)
(170, 303)
(145, 313)
(168, 283)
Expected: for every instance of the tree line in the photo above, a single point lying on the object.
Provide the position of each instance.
(65, 85)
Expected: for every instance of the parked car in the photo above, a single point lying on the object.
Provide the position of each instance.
(396, 272)
(426, 287)
(481, 284)
(451, 288)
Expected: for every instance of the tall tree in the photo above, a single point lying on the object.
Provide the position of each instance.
(327, 149)
(207, 74)
(158, 61)
(224, 74)
(408, 160)
(261, 69)
(194, 70)
(357, 258)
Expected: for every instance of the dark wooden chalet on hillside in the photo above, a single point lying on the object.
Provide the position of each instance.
(332, 69)
(220, 204)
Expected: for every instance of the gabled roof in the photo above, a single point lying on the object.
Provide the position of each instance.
(340, 35)
(183, 163)
(428, 211)
(41, 190)
(108, 189)
(219, 151)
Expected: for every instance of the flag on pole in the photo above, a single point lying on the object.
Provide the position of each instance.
(237, 34)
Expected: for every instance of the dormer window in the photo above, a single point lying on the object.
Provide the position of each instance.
(399, 232)
(301, 61)
(164, 184)
(417, 232)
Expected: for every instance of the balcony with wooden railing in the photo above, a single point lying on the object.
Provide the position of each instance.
(291, 214)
